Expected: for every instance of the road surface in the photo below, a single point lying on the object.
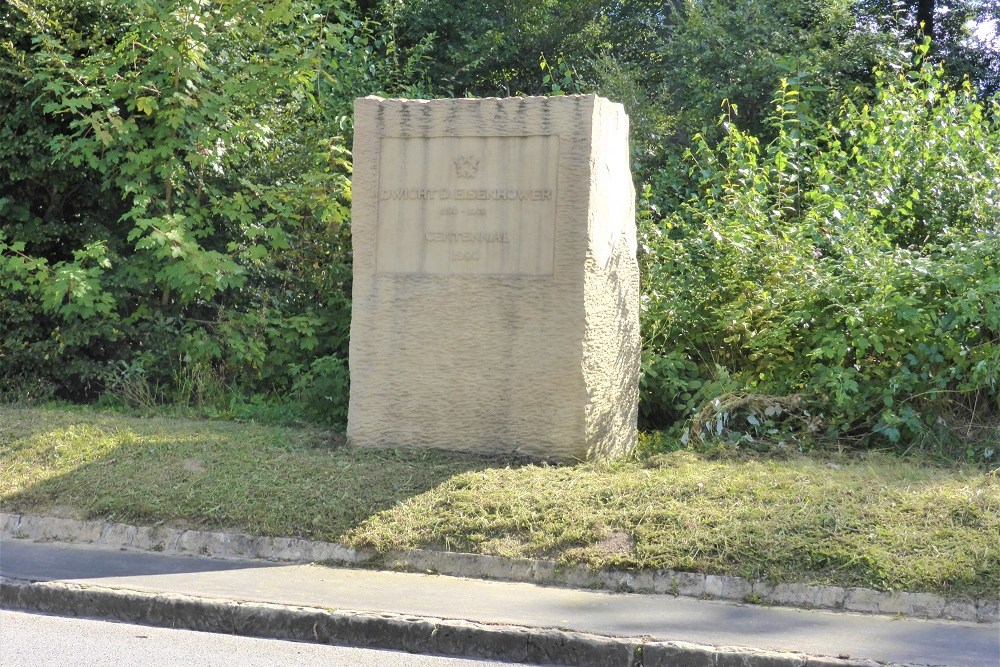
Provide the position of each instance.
(41, 641)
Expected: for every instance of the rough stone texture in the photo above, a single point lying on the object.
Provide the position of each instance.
(677, 654)
(663, 582)
(988, 611)
(52, 528)
(960, 610)
(742, 657)
(643, 581)
(118, 534)
(495, 297)
(690, 584)
(863, 599)
(801, 595)
(896, 602)
(157, 538)
(683, 654)
(925, 605)
(542, 571)
(176, 541)
(616, 580)
(576, 576)
(819, 661)
(727, 588)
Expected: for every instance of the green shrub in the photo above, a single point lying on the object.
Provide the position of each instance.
(322, 390)
(849, 269)
(174, 194)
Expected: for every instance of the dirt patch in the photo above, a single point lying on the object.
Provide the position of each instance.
(193, 465)
(615, 543)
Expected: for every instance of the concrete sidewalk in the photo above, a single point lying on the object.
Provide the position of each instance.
(450, 615)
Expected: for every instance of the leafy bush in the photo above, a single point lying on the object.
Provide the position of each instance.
(852, 265)
(323, 390)
(174, 194)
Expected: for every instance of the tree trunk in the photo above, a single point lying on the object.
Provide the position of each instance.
(925, 16)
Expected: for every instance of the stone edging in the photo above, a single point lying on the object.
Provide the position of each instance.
(414, 634)
(178, 541)
(233, 545)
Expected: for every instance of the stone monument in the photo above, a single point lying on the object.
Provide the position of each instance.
(496, 290)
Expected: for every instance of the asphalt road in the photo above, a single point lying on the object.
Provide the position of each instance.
(41, 641)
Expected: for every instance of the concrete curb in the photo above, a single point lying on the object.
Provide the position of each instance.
(544, 572)
(166, 540)
(692, 584)
(415, 634)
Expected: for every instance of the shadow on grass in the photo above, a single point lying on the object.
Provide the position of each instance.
(261, 480)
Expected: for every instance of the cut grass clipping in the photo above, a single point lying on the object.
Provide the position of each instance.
(879, 522)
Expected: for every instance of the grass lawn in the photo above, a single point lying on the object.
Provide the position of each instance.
(876, 521)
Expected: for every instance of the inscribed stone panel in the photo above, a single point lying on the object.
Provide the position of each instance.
(467, 205)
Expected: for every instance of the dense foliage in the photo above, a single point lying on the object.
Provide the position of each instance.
(843, 280)
(175, 191)
(175, 196)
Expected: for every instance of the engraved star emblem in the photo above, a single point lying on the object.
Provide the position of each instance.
(466, 166)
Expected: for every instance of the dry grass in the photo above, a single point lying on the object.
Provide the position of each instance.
(877, 521)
